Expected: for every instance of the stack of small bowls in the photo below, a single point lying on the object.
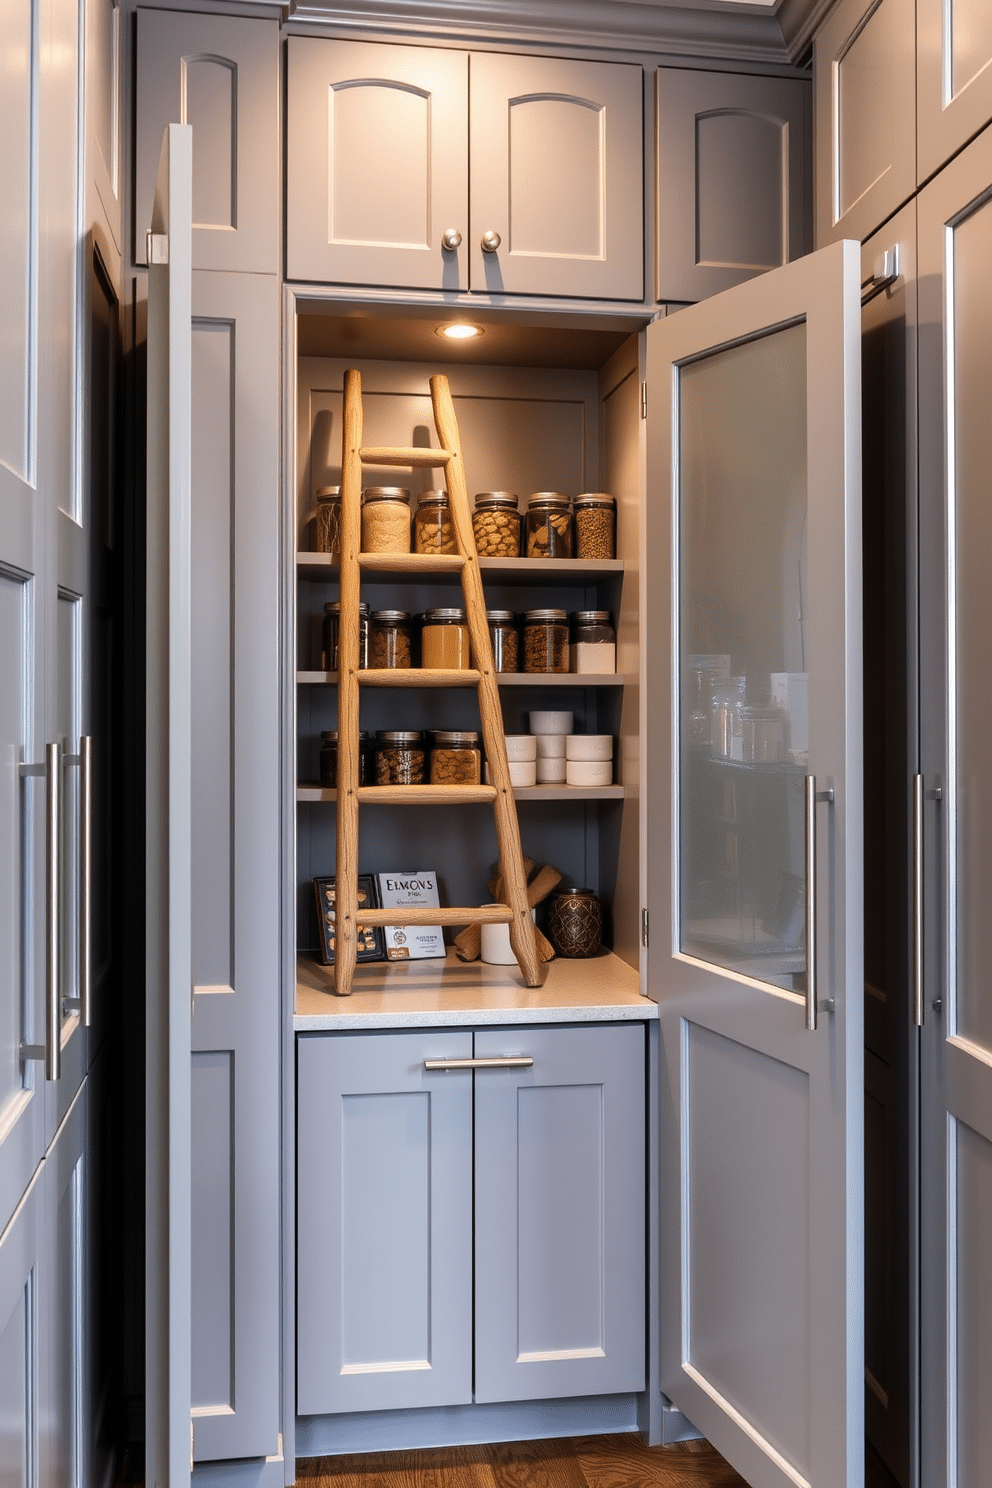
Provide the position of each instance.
(550, 732)
(589, 759)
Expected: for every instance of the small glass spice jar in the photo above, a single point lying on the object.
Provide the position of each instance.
(594, 642)
(546, 641)
(400, 757)
(455, 758)
(595, 517)
(505, 639)
(385, 519)
(575, 923)
(496, 525)
(549, 525)
(330, 631)
(433, 529)
(327, 520)
(444, 640)
(389, 639)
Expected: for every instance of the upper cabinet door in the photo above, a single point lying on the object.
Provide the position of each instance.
(865, 116)
(377, 165)
(733, 179)
(221, 75)
(954, 77)
(754, 825)
(557, 177)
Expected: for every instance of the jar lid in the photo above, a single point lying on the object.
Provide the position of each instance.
(328, 493)
(489, 499)
(592, 617)
(501, 615)
(391, 617)
(443, 614)
(385, 493)
(335, 605)
(435, 498)
(329, 736)
(398, 736)
(595, 498)
(548, 498)
(546, 615)
(569, 893)
(454, 736)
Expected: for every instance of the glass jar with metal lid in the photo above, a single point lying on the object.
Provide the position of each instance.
(329, 759)
(549, 525)
(505, 639)
(327, 520)
(595, 517)
(400, 757)
(455, 758)
(433, 529)
(330, 630)
(546, 641)
(444, 640)
(389, 639)
(594, 642)
(496, 524)
(385, 519)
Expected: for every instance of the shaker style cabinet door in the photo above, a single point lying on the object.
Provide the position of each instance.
(377, 164)
(733, 179)
(219, 74)
(954, 77)
(557, 186)
(865, 102)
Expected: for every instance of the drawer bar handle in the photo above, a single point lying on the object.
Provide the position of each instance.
(501, 1061)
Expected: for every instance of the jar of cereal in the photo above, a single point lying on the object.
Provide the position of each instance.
(385, 520)
(549, 526)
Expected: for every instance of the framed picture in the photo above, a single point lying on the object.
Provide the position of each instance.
(371, 940)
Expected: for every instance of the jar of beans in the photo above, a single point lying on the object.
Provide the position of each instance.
(327, 520)
(389, 639)
(496, 524)
(546, 641)
(385, 520)
(505, 639)
(444, 640)
(549, 526)
(329, 659)
(433, 529)
(456, 758)
(595, 525)
(400, 758)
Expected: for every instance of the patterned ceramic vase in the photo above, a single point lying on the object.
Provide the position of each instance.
(575, 922)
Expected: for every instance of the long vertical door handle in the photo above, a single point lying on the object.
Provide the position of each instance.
(53, 916)
(918, 901)
(86, 880)
(810, 817)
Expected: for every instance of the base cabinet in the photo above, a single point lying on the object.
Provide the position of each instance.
(392, 1160)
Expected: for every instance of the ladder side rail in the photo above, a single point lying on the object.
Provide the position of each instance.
(346, 845)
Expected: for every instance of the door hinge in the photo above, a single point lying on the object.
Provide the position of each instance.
(644, 927)
(644, 400)
(156, 248)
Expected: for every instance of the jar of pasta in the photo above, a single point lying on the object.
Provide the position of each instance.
(389, 639)
(595, 525)
(455, 758)
(329, 660)
(549, 526)
(385, 520)
(546, 641)
(433, 529)
(505, 639)
(496, 525)
(327, 520)
(400, 757)
(444, 640)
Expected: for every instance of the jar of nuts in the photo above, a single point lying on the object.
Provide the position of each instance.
(549, 526)
(327, 520)
(595, 525)
(385, 520)
(455, 759)
(400, 758)
(546, 641)
(496, 524)
(505, 639)
(389, 639)
(433, 529)
(329, 636)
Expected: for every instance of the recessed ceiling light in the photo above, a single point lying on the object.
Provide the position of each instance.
(458, 331)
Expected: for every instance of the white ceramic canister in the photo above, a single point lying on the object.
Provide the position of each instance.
(522, 772)
(551, 723)
(551, 769)
(589, 747)
(521, 747)
(551, 746)
(496, 949)
(589, 772)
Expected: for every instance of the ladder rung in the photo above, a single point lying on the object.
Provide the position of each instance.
(481, 914)
(426, 563)
(418, 677)
(416, 458)
(424, 795)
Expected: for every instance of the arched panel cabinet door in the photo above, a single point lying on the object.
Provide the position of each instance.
(377, 164)
(557, 190)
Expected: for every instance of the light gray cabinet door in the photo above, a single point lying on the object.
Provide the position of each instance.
(733, 195)
(955, 249)
(377, 164)
(865, 102)
(219, 74)
(68, 1389)
(755, 865)
(954, 77)
(104, 132)
(384, 1222)
(23, 1355)
(559, 1214)
(556, 171)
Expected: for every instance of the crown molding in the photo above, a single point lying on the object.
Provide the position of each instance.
(800, 20)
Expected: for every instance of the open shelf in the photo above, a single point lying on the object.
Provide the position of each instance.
(323, 568)
(314, 794)
(418, 677)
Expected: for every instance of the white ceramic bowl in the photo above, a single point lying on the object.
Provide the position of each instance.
(589, 747)
(589, 772)
(551, 723)
(550, 770)
(522, 772)
(550, 746)
(521, 747)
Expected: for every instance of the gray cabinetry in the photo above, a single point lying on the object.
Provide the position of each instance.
(865, 102)
(954, 77)
(733, 179)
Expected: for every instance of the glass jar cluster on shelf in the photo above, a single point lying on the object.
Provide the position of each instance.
(411, 757)
(542, 641)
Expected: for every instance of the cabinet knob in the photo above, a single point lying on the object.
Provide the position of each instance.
(490, 241)
(451, 239)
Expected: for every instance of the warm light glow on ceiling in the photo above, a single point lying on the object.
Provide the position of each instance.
(459, 331)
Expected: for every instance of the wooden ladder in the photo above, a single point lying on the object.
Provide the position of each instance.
(350, 795)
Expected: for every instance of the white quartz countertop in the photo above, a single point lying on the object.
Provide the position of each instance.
(453, 993)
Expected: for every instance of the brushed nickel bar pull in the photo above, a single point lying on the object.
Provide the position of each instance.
(502, 1061)
(918, 795)
(83, 1004)
(810, 814)
(53, 916)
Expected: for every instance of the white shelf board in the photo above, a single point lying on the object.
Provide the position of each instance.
(316, 793)
(323, 568)
(503, 679)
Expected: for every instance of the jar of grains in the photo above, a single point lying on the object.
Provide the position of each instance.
(327, 520)
(496, 524)
(549, 526)
(456, 759)
(595, 525)
(546, 641)
(329, 658)
(399, 758)
(444, 640)
(505, 639)
(575, 922)
(594, 642)
(389, 639)
(433, 529)
(385, 520)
